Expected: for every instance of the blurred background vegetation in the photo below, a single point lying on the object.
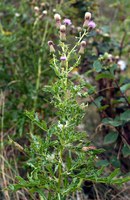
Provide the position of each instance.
(25, 28)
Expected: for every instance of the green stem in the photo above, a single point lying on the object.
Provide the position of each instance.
(60, 170)
(80, 39)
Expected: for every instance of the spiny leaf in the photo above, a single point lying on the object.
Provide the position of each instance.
(36, 121)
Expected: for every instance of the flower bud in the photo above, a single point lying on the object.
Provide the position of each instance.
(87, 16)
(57, 18)
(63, 32)
(82, 47)
(63, 60)
(51, 45)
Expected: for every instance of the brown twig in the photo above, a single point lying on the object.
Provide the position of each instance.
(122, 44)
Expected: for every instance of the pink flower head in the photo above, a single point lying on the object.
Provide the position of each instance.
(67, 22)
(91, 24)
(63, 58)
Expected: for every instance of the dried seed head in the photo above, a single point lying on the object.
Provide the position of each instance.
(36, 8)
(82, 47)
(87, 16)
(51, 45)
(63, 28)
(57, 17)
(63, 32)
(44, 12)
(83, 43)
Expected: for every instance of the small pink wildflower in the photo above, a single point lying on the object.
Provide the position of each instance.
(63, 58)
(91, 24)
(67, 22)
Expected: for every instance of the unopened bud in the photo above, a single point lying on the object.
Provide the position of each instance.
(63, 32)
(63, 60)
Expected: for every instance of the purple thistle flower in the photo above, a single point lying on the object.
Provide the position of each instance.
(67, 22)
(63, 58)
(91, 24)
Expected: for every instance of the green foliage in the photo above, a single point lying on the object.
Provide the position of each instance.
(97, 66)
(63, 159)
(34, 118)
(126, 151)
(119, 120)
(125, 87)
(56, 110)
(110, 138)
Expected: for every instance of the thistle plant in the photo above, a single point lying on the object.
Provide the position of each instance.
(64, 158)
